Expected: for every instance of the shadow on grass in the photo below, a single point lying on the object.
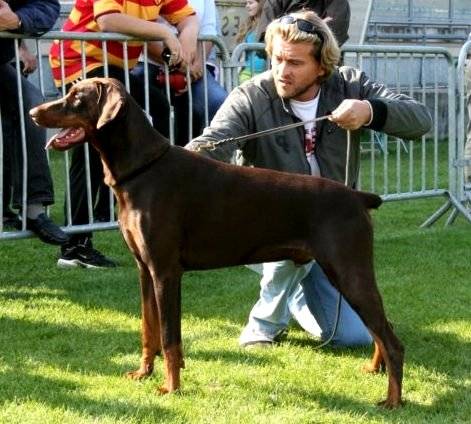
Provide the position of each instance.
(256, 357)
(66, 395)
(416, 293)
(65, 347)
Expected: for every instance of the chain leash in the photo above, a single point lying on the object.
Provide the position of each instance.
(211, 145)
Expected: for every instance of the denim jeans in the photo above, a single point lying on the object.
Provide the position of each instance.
(216, 96)
(304, 293)
(39, 188)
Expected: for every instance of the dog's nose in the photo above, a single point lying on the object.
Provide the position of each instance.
(33, 112)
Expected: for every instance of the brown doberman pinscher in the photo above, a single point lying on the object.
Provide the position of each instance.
(180, 211)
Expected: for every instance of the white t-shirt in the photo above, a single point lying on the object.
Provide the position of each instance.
(307, 111)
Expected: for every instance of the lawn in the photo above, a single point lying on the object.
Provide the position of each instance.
(68, 336)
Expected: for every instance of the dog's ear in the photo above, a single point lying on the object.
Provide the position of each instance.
(111, 98)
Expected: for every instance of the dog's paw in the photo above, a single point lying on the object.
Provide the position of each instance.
(140, 374)
(372, 368)
(391, 403)
(164, 390)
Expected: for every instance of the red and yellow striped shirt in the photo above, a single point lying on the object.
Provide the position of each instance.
(83, 17)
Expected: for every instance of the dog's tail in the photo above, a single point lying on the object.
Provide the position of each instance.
(370, 200)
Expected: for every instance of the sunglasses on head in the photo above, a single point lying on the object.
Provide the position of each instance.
(302, 24)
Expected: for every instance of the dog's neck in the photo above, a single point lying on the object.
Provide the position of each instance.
(115, 182)
(128, 145)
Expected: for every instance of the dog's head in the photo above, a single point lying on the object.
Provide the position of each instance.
(89, 105)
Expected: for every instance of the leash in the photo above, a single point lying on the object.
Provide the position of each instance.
(211, 145)
(339, 299)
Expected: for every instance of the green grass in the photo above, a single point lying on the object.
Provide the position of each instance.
(68, 336)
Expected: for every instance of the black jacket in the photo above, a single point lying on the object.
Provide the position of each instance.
(37, 17)
(337, 10)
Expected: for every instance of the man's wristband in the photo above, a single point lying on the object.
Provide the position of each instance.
(380, 114)
(371, 113)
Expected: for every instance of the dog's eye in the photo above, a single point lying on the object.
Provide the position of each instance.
(77, 99)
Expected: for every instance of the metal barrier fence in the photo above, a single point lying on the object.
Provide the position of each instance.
(393, 168)
(409, 169)
(41, 45)
(459, 197)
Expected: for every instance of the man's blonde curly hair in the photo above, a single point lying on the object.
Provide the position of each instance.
(324, 46)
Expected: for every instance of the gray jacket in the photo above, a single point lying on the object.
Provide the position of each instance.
(255, 106)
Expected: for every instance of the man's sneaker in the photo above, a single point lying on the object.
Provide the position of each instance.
(258, 345)
(11, 220)
(46, 230)
(84, 256)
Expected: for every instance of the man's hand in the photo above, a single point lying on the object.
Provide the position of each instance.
(8, 19)
(352, 114)
(188, 35)
(189, 46)
(175, 47)
(29, 60)
(196, 68)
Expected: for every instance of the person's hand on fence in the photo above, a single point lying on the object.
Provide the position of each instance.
(9, 20)
(189, 50)
(175, 47)
(30, 63)
(196, 68)
(352, 114)
(188, 35)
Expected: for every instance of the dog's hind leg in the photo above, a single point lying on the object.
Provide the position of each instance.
(353, 276)
(150, 325)
(377, 363)
(168, 293)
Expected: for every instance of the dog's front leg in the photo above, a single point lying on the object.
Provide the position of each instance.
(150, 326)
(168, 293)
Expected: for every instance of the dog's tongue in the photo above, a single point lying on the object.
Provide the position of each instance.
(66, 138)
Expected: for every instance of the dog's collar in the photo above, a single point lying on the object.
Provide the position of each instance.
(141, 169)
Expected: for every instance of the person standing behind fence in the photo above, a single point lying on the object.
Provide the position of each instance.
(335, 12)
(11, 220)
(26, 17)
(304, 83)
(216, 94)
(131, 17)
(255, 60)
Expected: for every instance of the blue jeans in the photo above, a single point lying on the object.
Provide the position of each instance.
(304, 293)
(216, 96)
